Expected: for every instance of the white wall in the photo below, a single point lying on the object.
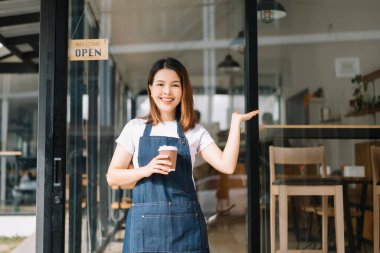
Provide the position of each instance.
(17, 225)
(313, 66)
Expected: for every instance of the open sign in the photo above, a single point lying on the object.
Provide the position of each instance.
(88, 49)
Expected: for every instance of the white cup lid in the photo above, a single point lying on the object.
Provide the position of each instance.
(162, 148)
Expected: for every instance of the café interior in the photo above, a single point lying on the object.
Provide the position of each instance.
(318, 86)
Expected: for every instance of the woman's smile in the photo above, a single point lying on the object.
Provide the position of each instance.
(166, 100)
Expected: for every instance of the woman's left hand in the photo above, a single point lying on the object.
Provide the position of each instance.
(244, 117)
(225, 161)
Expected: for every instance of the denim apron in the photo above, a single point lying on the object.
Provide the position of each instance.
(165, 214)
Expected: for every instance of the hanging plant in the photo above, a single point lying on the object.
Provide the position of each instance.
(360, 88)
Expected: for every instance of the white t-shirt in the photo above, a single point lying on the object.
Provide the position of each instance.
(198, 137)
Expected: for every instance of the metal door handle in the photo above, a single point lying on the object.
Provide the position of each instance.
(57, 171)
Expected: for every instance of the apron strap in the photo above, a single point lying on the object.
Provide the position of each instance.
(180, 131)
(147, 130)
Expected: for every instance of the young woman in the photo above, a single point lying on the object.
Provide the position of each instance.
(165, 214)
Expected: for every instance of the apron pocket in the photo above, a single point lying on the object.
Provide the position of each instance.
(171, 233)
(186, 232)
(156, 233)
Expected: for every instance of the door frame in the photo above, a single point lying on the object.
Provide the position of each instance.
(252, 156)
(51, 144)
(52, 114)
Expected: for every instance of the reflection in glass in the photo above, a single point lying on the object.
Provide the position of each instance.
(321, 100)
(19, 99)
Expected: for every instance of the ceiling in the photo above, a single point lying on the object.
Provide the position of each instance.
(198, 32)
(19, 36)
(143, 31)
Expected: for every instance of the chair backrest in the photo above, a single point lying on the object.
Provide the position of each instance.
(375, 160)
(296, 156)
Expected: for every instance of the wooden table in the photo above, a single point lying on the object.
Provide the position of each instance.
(320, 131)
(271, 133)
(6, 153)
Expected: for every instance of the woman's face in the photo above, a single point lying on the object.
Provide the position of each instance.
(166, 91)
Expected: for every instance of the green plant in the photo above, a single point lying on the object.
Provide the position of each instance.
(360, 87)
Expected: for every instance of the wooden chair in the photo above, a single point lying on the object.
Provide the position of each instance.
(375, 162)
(303, 186)
(119, 209)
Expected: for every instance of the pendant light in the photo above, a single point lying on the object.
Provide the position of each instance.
(228, 64)
(269, 10)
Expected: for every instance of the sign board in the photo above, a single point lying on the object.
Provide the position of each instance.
(88, 50)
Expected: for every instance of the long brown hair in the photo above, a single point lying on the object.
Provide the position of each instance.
(185, 109)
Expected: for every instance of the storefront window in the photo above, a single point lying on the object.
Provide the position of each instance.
(326, 95)
(19, 98)
(198, 33)
(317, 83)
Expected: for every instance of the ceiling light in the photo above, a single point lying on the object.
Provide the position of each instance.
(229, 64)
(269, 10)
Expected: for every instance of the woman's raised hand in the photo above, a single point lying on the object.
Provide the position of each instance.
(244, 117)
(160, 164)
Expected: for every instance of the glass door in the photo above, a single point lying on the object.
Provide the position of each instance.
(84, 105)
(102, 96)
(198, 33)
(322, 92)
(92, 112)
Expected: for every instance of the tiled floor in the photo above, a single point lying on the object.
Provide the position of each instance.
(229, 235)
(114, 247)
(226, 236)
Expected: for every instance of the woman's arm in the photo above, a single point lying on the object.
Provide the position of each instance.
(225, 161)
(119, 175)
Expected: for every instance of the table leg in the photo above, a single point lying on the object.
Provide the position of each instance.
(295, 221)
(265, 233)
(347, 217)
(360, 219)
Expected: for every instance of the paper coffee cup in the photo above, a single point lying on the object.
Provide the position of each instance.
(170, 151)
